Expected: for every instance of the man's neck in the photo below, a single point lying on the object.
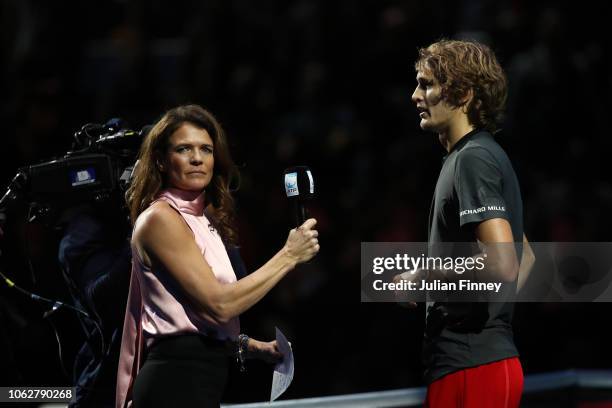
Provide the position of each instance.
(455, 132)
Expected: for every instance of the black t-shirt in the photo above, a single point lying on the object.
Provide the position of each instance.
(476, 183)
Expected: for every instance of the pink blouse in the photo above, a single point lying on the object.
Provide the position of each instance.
(158, 307)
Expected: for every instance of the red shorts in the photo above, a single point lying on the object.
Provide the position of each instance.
(495, 385)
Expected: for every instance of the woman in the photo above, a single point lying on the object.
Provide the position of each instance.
(181, 322)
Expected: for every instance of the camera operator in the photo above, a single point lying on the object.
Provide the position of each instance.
(81, 193)
(95, 255)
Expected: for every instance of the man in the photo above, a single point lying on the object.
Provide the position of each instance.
(468, 348)
(95, 254)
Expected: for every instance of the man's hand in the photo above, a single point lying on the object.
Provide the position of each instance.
(401, 295)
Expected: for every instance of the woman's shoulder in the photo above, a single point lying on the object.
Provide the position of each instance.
(159, 217)
(157, 225)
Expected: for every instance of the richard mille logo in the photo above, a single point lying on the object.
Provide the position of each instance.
(482, 209)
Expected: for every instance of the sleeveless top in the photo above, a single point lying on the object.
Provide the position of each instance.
(158, 307)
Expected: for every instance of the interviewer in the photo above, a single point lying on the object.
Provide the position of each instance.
(181, 324)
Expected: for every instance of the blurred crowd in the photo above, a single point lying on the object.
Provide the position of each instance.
(326, 84)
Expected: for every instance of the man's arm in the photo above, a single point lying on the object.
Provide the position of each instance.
(502, 262)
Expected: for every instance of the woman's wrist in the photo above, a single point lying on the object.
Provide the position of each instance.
(242, 351)
(289, 257)
(252, 348)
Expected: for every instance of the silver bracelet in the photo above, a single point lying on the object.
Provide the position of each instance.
(243, 343)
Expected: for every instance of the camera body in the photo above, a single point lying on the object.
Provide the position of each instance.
(96, 172)
(71, 180)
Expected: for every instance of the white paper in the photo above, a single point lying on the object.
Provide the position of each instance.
(283, 371)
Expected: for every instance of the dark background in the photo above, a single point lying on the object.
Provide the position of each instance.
(327, 84)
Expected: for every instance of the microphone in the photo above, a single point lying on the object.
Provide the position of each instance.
(299, 187)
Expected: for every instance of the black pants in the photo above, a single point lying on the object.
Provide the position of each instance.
(182, 371)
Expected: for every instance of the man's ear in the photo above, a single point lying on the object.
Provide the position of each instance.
(467, 100)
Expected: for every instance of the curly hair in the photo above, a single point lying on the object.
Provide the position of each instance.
(461, 66)
(148, 181)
